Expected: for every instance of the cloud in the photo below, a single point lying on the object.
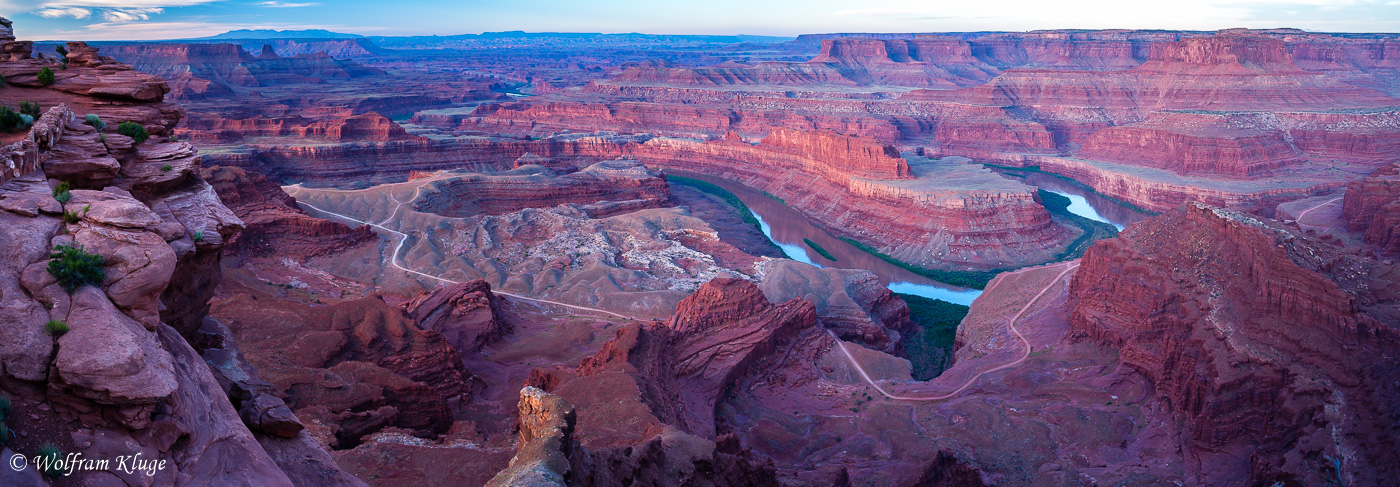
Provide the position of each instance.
(110, 31)
(289, 4)
(59, 12)
(130, 14)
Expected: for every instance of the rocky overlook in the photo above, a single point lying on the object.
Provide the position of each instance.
(117, 245)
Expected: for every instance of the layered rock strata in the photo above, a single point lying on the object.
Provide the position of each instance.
(1372, 206)
(97, 346)
(1249, 333)
(669, 377)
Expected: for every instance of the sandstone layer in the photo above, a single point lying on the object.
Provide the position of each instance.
(1248, 332)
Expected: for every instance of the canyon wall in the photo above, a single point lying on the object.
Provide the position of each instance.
(1248, 332)
(117, 246)
(1372, 206)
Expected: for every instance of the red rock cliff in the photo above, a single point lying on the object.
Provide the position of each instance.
(1254, 337)
(1372, 205)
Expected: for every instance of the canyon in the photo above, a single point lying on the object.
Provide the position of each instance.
(561, 259)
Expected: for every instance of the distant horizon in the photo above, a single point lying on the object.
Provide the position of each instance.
(353, 36)
(136, 20)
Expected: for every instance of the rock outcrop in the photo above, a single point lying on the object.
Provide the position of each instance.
(625, 185)
(546, 441)
(353, 368)
(1249, 333)
(1372, 206)
(646, 401)
(115, 249)
(274, 223)
(467, 315)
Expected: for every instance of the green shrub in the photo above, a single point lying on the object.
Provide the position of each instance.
(62, 51)
(198, 236)
(166, 167)
(820, 250)
(7, 410)
(63, 192)
(71, 217)
(53, 456)
(1093, 230)
(134, 130)
(75, 267)
(734, 202)
(931, 345)
(56, 328)
(5, 434)
(31, 108)
(95, 121)
(10, 120)
(46, 76)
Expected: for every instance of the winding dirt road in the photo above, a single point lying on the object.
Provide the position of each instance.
(1025, 352)
(403, 237)
(1025, 344)
(1299, 220)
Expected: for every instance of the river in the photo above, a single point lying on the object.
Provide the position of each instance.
(787, 228)
(1084, 202)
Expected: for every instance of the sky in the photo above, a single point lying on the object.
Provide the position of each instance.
(175, 19)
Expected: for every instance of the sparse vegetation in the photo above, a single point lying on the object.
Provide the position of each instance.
(75, 267)
(819, 249)
(46, 76)
(6, 411)
(52, 459)
(711, 188)
(199, 236)
(136, 131)
(12, 121)
(166, 167)
(931, 346)
(71, 217)
(56, 327)
(1094, 231)
(95, 121)
(63, 192)
(31, 108)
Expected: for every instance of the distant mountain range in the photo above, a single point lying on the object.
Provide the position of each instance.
(282, 34)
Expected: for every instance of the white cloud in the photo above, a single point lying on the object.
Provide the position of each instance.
(289, 4)
(113, 31)
(130, 14)
(57, 12)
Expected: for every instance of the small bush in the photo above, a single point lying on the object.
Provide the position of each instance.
(820, 250)
(134, 130)
(71, 217)
(95, 121)
(63, 192)
(56, 328)
(31, 108)
(7, 410)
(75, 267)
(62, 51)
(46, 76)
(53, 457)
(198, 236)
(10, 120)
(166, 167)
